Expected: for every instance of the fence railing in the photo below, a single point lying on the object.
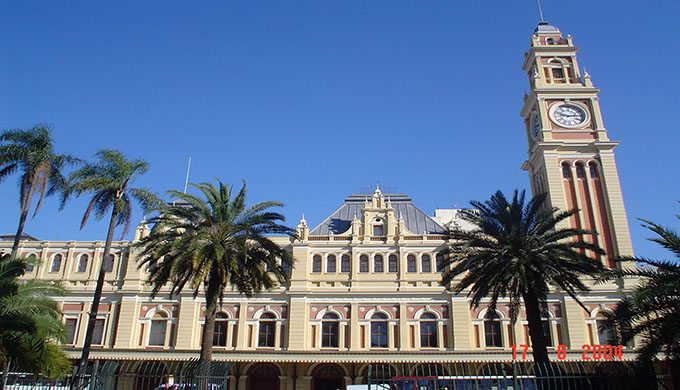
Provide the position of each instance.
(514, 376)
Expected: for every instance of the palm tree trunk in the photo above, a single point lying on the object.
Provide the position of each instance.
(208, 328)
(25, 206)
(538, 342)
(5, 375)
(97, 296)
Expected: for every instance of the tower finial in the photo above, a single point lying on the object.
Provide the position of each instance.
(540, 10)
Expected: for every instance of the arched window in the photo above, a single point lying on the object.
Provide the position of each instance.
(108, 263)
(56, 263)
(411, 263)
(605, 333)
(379, 330)
(220, 335)
(33, 258)
(545, 323)
(426, 263)
(492, 330)
(594, 173)
(439, 258)
(428, 331)
(82, 263)
(329, 331)
(345, 264)
(316, 263)
(580, 172)
(330, 264)
(159, 328)
(549, 41)
(363, 263)
(566, 171)
(267, 330)
(557, 71)
(378, 264)
(393, 263)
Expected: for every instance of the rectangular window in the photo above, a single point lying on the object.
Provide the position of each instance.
(379, 334)
(428, 334)
(98, 333)
(220, 335)
(266, 336)
(492, 333)
(329, 334)
(157, 332)
(378, 230)
(70, 327)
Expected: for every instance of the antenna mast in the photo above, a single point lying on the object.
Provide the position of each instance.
(186, 180)
(540, 10)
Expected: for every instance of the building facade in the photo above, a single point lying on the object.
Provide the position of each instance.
(365, 286)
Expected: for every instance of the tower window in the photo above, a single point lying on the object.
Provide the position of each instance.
(566, 171)
(594, 174)
(316, 263)
(440, 262)
(363, 263)
(549, 41)
(580, 172)
(330, 264)
(393, 264)
(378, 230)
(345, 264)
(426, 263)
(558, 73)
(411, 263)
(378, 264)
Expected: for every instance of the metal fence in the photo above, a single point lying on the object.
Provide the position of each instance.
(162, 375)
(515, 376)
(133, 375)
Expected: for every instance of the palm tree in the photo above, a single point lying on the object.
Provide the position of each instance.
(31, 152)
(30, 323)
(211, 243)
(517, 251)
(652, 310)
(109, 180)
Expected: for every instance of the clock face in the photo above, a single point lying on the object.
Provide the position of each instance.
(536, 127)
(568, 115)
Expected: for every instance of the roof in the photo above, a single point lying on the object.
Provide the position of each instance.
(24, 237)
(415, 219)
(545, 27)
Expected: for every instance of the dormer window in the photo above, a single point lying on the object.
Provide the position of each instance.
(378, 228)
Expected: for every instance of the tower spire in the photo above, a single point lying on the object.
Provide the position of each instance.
(540, 10)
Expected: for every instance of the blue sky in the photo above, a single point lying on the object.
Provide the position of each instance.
(309, 101)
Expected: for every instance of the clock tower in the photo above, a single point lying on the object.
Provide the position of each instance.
(571, 157)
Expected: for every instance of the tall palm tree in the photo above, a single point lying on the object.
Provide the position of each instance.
(30, 323)
(212, 243)
(109, 181)
(652, 310)
(517, 251)
(31, 152)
